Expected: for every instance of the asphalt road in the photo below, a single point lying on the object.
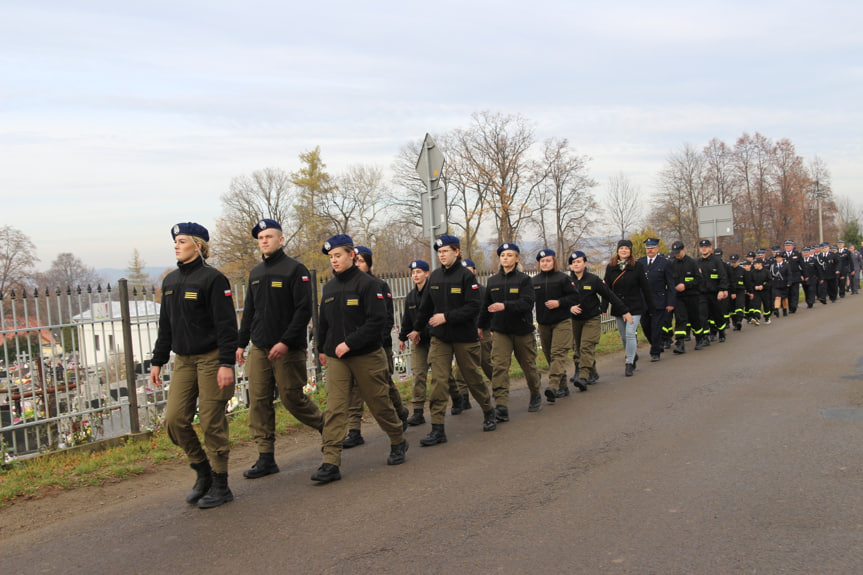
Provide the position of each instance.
(741, 458)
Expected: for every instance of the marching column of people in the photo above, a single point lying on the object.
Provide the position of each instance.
(447, 315)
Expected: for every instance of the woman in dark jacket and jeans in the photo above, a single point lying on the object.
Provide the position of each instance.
(628, 280)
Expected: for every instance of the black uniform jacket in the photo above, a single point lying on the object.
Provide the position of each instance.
(686, 272)
(515, 291)
(590, 287)
(714, 277)
(197, 314)
(660, 280)
(278, 304)
(412, 304)
(795, 266)
(454, 292)
(553, 285)
(352, 311)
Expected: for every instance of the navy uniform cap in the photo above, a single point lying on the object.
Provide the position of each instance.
(577, 254)
(468, 263)
(337, 241)
(544, 254)
(503, 247)
(651, 243)
(419, 265)
(265, 224)
(718, 252)
(704, 243)
(190, 229)
(750, 255)
(734, 257)
(446, 240)
(745, 262)
(789, 242)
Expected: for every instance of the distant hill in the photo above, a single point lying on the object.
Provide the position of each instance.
(111, 275)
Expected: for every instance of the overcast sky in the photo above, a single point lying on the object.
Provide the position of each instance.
(119, 119)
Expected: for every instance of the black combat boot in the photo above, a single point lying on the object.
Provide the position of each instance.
(550, 395)
(417, 418)
(404, 415)
(701, 342)
(465, 401)
(535, 403)
(265, 465)
(456, 404)
(679, 347)
(489, 421)
(435, 436)
(629, 370)
(353, 438)
(219, 492)
(501, 413)
(326, 472)
(592, 379)
(578, 382)
(202, 483)
(721, 335)
(397, 453)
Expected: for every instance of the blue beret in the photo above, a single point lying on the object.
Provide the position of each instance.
(577, 254)
(651, 243)
(419, 265)
(504, 247)
(363, 250)
(544, 253)
(468, 263)
(337, 241)
(265, 224)
(190, 229)
(446, 240)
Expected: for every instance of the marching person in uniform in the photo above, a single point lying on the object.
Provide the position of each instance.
(507, 311)
(796, 274)
(687, 285)
(450, 305)
(586, 317)
(762, 297)
(554, 294)
(419, 351)
(737, 290)
(275, 320)
(780, 280)
(457, 384)
(352, 317)
(661, 283)
(197, 321)
(354, 437)
(714, 289)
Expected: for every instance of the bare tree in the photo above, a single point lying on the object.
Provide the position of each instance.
(754, 201)
(17, 258)
(496, 148)
(682, 190)
(357, 203)
(622, 203)
(267, 193)
(718, 172)
(563, 200)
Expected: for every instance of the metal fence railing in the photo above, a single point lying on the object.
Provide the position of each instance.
(75, 364)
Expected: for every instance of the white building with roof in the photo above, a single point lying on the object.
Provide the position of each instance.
(100, 331)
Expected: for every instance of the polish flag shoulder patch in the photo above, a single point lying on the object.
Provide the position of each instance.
(305, 278)
(474, 286)
(380, 295)
(228, 293)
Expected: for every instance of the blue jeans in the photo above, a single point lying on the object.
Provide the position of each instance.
(627, 335)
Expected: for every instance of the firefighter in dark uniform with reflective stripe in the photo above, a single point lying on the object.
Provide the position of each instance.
(737, 292)
(687, 284)
(275, 319)
(197, 321)
(810, 276)
(352, 316)
(450, 306)
(714, 288)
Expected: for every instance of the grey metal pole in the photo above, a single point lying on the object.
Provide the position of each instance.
(126, 321)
